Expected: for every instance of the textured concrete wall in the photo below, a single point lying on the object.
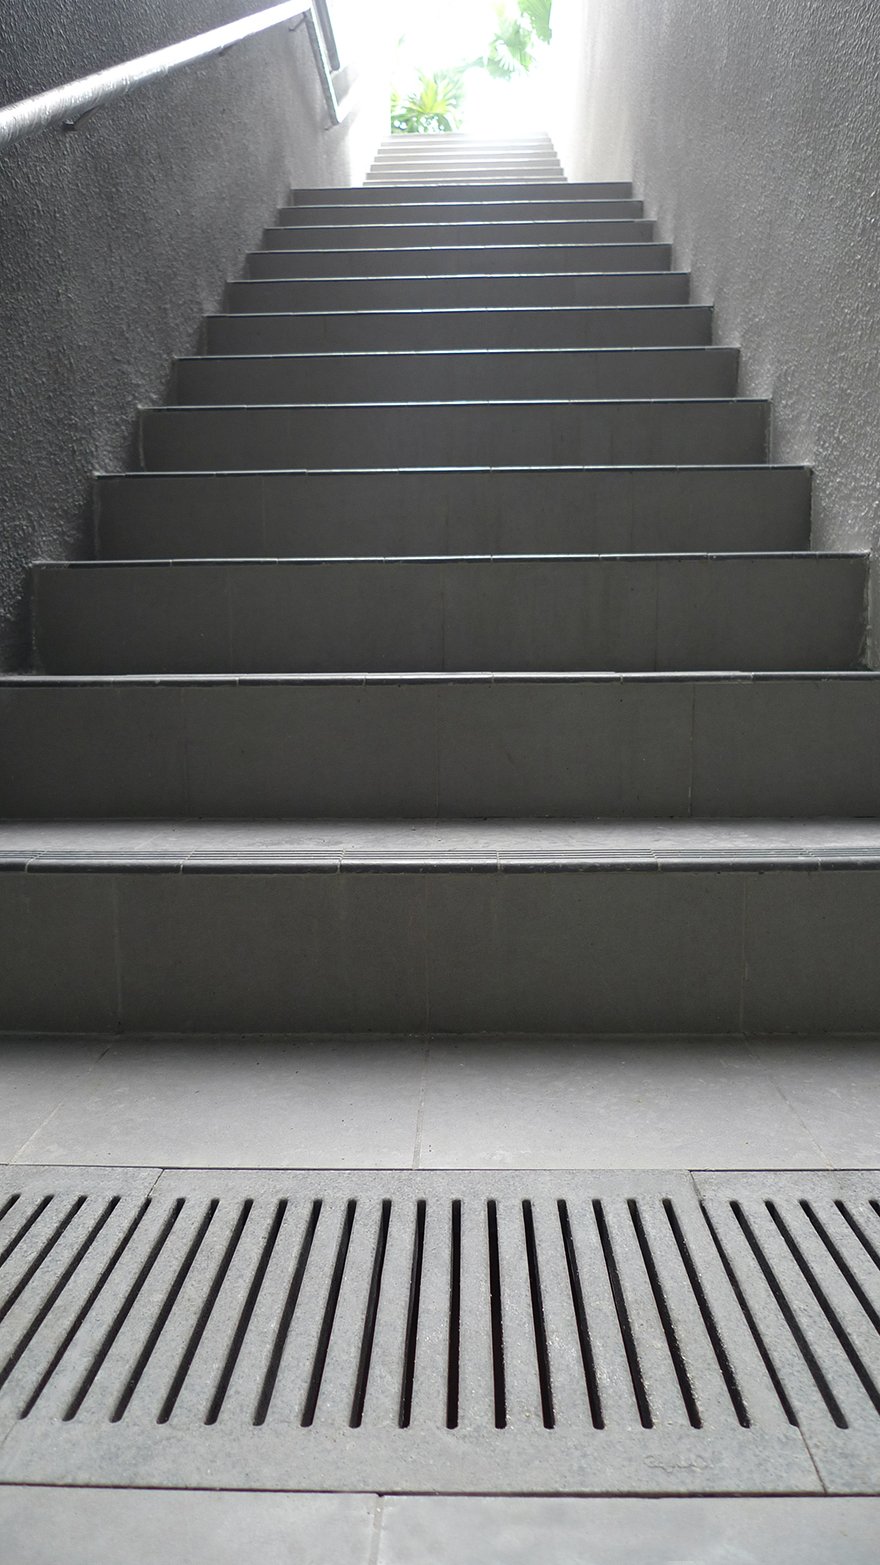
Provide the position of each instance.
(752, 128)
(115, 238)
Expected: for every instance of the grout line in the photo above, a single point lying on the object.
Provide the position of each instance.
(420, 1111)
(378, 1520)
(117, 949)
(767, 1070)
(76, 1091)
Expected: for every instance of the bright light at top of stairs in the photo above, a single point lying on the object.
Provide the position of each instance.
(437, 36)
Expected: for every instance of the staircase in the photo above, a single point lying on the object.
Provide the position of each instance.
(455, 661)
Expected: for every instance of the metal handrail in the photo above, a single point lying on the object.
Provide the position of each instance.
(66, 106)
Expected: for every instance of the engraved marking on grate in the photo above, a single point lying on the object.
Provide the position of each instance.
(417, 1331)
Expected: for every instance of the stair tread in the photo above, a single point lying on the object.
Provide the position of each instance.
(531, 557)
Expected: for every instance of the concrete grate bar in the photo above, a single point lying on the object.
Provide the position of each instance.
(453, 1332)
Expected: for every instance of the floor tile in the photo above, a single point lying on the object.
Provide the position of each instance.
(36, 1076)
(833, 1085)
(141, 1527)
(605, 1104)
(241, 1103)
(623, 1532)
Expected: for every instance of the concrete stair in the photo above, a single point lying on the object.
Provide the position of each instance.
(456, 660)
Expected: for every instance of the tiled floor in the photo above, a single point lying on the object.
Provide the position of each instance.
(105, 1527)
(271, 1102)
(504, 1103)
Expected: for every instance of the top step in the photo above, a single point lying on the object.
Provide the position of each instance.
(502, 190)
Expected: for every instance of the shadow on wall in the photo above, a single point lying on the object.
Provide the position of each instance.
(117, 237)
(752, 129)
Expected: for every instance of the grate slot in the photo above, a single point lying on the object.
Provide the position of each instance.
(7, 1205)
(453, 1351)
(524, 1405)
(37, 1259)
(430, 1393)
(858, 1229)
(750, 1318)
(382, 1403)
(328, 1317)
(81, 1297)
(333, 1408)
(25, 1227)
(614, 1379)
(412, 1318)
(239, 1352)
(476, 1401)
(665, 1317)
(624, 1320)
(41, 1313)
(195, 1330)
(838, 1240)
(848, 1329)
(372, 1310)
(537, 1302)
(581, 1318)
(313, 1231)
(794, 1325)
(127, 1304)
(716, 1342)
(496, 1310)
(161, 1317)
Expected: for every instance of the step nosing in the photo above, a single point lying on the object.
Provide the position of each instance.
(470, 310)
(522, 557)
(553, 350)
(455, 402)
(612, 244)
(617, 473)
(525, 678)
(396, 863)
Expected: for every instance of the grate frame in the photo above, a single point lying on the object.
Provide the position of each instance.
(441, 1332)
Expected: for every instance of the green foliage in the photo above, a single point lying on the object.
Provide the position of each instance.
(538, 14)
(436, 101)
(519, 26)
(511, 50)
(434, 105)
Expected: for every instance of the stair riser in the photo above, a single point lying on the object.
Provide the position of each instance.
(606, 951)
(462, 166)
(479, 179)
(527, 511)
(414, 293)
(434, 261)
(456, 165)
(363, 235)
(343, 196)
(455, 212)
(647, 749)
(384, 616)
(686, 326)
(455, 435)
(580, 373)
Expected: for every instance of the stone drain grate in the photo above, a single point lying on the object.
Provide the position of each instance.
(458, 1332)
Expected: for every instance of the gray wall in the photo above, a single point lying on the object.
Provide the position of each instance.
(115, 238)
(752, 129)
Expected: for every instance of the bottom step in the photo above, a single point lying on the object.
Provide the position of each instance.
(458, 927)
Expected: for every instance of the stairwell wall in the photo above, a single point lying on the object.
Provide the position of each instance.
(752, 129)
(116, 237)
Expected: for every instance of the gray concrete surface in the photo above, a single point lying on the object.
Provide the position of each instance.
(429, 1103)
(118, 236)
(89, 1527)
(751, 128)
